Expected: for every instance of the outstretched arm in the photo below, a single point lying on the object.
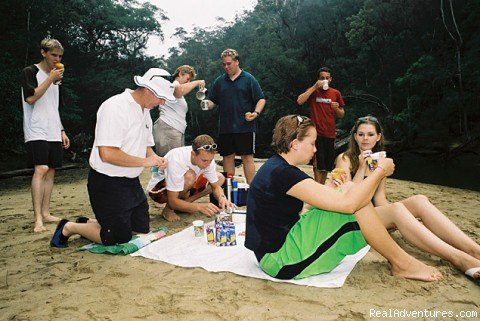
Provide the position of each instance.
(183, 89)
(349, 202)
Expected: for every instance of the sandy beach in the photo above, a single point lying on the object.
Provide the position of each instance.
(41, 283)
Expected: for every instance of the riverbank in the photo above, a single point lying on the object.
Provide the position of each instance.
(41, 283)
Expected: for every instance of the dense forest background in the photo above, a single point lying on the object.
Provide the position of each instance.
(414, 64)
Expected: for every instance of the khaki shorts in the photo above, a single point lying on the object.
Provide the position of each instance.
(166, 137)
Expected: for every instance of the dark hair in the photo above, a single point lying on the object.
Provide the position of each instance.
(287, 129)
(323, 69)
(353, 151)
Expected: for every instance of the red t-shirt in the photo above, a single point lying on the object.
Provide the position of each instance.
(321, 111)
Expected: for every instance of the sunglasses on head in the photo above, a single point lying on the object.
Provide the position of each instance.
(208, 147)
(300, 119)
(368, 118)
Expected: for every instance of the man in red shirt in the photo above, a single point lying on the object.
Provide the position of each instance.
(326, 103)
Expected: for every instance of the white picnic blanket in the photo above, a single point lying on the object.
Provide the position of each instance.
(186, 250)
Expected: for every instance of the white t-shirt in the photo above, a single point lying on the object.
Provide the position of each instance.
(179, 162)
(121, 123)
(175, 114)
(41, 121)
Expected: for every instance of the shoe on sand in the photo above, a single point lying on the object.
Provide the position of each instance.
(471, 272)
(59, 240)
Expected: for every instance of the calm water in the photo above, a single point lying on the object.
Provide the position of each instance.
(461, 172)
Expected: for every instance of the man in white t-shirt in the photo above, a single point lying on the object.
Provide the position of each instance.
(43, 130)
(122, 148)
(191, 174)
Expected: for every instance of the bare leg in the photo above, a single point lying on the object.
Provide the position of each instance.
(189, 180)
(229, 164)
(38, 188)
(440, 225)
(248, 167)
(47, 195)
(90, 230)
(402, 264)
(419, 235)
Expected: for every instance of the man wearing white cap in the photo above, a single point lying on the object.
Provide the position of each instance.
(121, 150)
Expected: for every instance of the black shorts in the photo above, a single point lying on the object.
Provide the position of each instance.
(41, 152)
(120, 206)
(239, 144)
(325, 153)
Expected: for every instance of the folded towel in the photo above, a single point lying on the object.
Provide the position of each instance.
(136, 243)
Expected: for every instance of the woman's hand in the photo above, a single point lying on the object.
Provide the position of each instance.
(387, 165)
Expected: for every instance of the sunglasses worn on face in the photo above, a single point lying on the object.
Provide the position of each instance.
(208, 147)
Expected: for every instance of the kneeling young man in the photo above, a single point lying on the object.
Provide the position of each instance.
(191, 174)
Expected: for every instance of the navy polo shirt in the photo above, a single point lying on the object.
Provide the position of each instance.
(234, 99)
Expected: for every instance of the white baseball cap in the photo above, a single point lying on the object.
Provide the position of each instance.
(154, 80)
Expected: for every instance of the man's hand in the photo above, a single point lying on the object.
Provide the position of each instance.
(56, 74)
(318, 84)
(208, 209)
(225, 204)
(251, 116)
(155, 161)
(65, 140)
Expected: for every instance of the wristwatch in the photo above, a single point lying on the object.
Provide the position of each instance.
(256, 112)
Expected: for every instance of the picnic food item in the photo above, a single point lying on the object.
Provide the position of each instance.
(58, 65)
(372, 160)
(337, 173)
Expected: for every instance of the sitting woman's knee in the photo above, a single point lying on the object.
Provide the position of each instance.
(420, 199)
(399, 210)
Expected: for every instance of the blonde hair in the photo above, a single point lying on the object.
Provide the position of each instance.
(232, 53)
(185, 69)
(48, 44)
(289, 128)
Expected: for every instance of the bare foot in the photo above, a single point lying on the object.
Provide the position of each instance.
(416, 270)
(39, 229)
(170, 215)
(50, 218)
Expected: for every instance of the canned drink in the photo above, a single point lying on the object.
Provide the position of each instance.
(210, 235)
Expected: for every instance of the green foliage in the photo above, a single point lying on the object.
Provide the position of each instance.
(393, 59)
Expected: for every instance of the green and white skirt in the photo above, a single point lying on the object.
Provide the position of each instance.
(316, 244)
